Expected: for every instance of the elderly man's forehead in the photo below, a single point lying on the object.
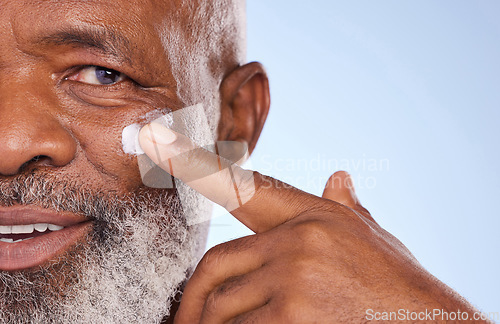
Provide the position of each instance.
(133, 28)
(126, 14)
(145, 22)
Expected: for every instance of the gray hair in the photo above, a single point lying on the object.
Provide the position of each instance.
(203, 48)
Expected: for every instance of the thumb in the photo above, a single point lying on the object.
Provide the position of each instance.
(340, 188)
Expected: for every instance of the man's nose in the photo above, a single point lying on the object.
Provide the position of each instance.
(30, 134)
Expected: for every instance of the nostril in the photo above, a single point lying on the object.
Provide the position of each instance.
(35, 159)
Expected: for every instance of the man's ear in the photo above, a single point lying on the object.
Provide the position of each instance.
(245, 101)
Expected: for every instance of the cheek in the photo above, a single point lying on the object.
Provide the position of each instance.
(100, 154)
(103, 149)
(100, 159)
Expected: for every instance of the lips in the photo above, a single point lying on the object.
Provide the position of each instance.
(31, 236)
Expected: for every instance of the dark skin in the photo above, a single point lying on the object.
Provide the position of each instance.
(51, 119)
(318, 259)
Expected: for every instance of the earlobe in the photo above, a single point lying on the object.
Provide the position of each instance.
(245, 102)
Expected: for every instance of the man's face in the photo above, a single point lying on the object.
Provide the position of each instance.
(124, 249)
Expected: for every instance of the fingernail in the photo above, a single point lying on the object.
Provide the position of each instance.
(159, 134)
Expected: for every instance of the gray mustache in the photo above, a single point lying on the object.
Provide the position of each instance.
(41, 190)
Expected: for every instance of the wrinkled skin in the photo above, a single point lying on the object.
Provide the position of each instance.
(52, 120)
(313, 260)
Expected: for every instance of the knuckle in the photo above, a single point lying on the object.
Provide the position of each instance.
(245, 319)
(212, 259)
(292, 311)
(304, 270)
(217, 300)
(212, 304)
(220, 255)
(229, 287)
(313, 234)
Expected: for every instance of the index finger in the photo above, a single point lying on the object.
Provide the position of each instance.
(258, 201)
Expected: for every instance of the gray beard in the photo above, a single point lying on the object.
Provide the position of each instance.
(129, 270)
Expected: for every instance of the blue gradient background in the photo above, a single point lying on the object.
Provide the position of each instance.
(405, 96)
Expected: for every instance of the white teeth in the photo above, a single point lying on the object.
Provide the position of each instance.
(22, 229)
(41, 227)
(27, 229)
(54, 227)
(6, 240)
(29, 238)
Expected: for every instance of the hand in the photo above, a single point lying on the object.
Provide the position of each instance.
(312, 259)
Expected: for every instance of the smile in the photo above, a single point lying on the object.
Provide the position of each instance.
(19, 233)
(31, 236)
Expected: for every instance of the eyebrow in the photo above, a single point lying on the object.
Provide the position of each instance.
(102, 39)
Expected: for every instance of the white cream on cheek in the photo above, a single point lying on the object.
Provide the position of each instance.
(130, 134)
(130, 140)
(191, 122)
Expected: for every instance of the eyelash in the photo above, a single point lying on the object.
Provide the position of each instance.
(77, 86)
(92, 73)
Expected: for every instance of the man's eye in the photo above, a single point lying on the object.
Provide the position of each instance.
(97, 75)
